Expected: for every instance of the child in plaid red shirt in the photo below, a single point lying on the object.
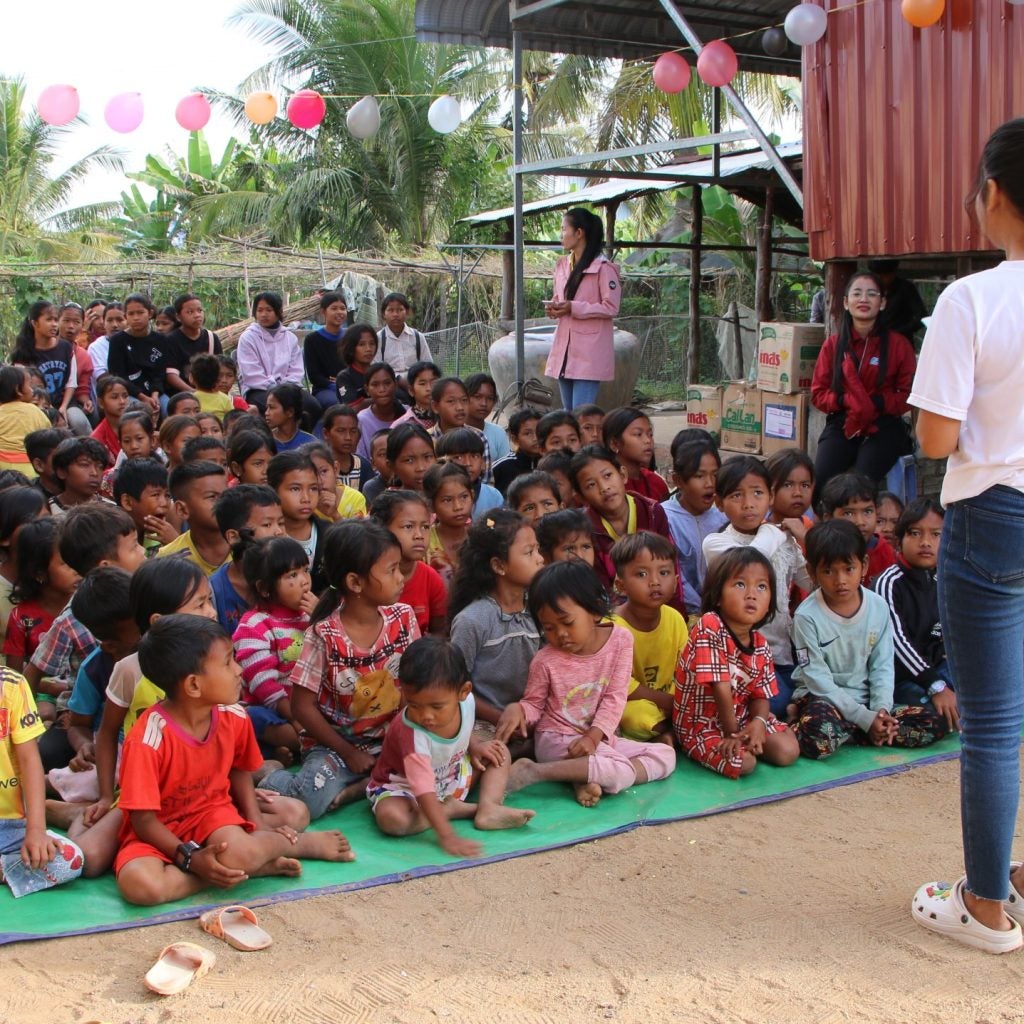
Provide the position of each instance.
(725, 675)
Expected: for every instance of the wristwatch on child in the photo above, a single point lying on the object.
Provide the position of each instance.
(183, 855)
(937, 687)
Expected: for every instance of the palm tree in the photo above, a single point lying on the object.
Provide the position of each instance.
(34, 218)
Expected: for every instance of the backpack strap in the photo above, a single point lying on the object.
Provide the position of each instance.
(209, 342)
(419, 340)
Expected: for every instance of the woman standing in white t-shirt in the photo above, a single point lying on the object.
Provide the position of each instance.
(969, 384)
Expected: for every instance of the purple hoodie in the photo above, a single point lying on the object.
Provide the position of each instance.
(268, 358)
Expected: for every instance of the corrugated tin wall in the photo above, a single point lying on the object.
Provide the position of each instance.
(895, 119)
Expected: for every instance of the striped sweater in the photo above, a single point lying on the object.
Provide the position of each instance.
(267, 645)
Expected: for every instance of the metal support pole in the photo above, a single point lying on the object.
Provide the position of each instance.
(517, 220)
(458, 316)
(739, 106)
(696, 234)
(763, 282)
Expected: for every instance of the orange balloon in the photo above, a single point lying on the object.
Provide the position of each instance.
(923, 13)
(260, 107)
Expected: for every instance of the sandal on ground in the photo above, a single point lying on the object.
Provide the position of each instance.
(1014, 903)
(237, 926)
(179, 965)
(940, 907)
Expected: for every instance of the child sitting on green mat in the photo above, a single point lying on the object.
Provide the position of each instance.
(192, 817)
(431, 757)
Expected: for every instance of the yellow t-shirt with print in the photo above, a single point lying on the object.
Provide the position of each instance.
(146, 694)
(184, 544)
(19, 723)
(351, 503)
(214, 401)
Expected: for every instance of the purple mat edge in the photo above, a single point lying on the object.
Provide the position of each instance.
(190, 913)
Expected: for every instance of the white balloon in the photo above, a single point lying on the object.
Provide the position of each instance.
(444, 115)
(1016, 3)
(805, 24)
(363, 118)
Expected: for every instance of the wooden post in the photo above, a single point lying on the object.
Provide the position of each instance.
(611, 209)
(508, 275)
(696, 233)
(837, 273)
(763, 286)
(737, 340)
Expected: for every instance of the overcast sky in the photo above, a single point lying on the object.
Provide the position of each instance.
(164, 51)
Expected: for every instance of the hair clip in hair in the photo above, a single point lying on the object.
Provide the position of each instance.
(489, 524)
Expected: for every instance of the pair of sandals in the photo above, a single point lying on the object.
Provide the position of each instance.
(940, 907)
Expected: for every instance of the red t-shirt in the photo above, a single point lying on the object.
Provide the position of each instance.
(648, 485)
(183, 779)
(107, 436)
(28, 624)
(880, 557)
(426, 595)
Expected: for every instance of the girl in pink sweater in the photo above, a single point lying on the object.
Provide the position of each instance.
(576, 691)
(269, 638)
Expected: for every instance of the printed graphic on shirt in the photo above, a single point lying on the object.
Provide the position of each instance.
(803, 659)
(579, 705)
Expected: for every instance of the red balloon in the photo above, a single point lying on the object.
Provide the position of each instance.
(193, 112)
(306, 109)
(717, 64)
(671, 73)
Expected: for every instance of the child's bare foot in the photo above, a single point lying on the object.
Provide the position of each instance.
(458, 809)
(523, 773)
(267, 768)
(790, 713)
(330, 845)
(285, 756)
(62, 815)
(350, 794)
(496, 816)
(588, 794)
(666, 738)
(289, 867)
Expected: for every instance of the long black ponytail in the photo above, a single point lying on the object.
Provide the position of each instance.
(593, 228)
(844, 338)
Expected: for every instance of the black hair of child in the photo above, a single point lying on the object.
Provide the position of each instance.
(139, 416)
(733, 472)
(135, 475)
(616, 422)
(834, 540)
(421, 366)
(205, 371)
(432, 661)
(245, 421)
(686, 459)
(196, 447)
(176, 647)
(171, 314)
(184, 476)
(234, 507)
(272, 299)
(847, 487)
(894, 498)
(387, 504)
(287, 462)
(18, 506)
(435, 477)
(688, 435)
(555, 418)
(590, 409)
(374, 368)
(441, 385)
(182, 300)
(585, 456)
(556, 462)
(401, 435)
(266, 561)
(914, 513)
(572, 580)
(289, 397)
(89, 534)
(339, 412)
(107, 383)
(475, 381)
(488, 538)
(13, 478)
(244, 444)
(627, 549)
(351, 338)
(731, 564)
(12, 381)
(328, 299)
(782, 463)
(398, 297)
(518, 418)
(175, 400)
(351, 546)
(553, 528)
(35, 547)
(75, 448)
(460, 441)
(102, 601)
(161, 586)
(523, 482)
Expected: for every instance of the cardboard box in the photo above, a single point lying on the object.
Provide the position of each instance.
(741, 418)
(704, 408)
(783, 422)
(786, 354)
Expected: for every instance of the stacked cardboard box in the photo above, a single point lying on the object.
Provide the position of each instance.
(704, 408)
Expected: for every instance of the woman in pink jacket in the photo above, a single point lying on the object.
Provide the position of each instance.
(586, 300)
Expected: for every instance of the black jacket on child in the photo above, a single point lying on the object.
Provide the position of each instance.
(913, 599)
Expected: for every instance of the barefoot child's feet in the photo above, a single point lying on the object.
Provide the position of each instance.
(497, 816)
(588, 794)
(330, 845)
(523, 773)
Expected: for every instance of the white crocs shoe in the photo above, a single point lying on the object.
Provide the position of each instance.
(940, 907)
(1014, 903)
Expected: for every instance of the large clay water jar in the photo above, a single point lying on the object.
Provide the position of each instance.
(501, 358)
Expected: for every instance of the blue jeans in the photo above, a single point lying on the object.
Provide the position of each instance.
(784, 684)
(577, 392)
(908, 692)
(321, 778)
(981, 605)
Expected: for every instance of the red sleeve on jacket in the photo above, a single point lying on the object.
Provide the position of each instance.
(899, 376)
(822, 395)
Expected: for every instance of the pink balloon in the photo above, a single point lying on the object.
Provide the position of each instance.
(717, 64)
(124, 112)
(193, 112)
(671, 73)
(58, 104)
(306, 109)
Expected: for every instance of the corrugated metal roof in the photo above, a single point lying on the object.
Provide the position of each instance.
(895, 119)
(606, 28)
(732, 165)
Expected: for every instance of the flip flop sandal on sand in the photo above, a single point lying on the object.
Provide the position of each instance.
(940, 907)
(179, 965)
(237, 926)
(1014, 903)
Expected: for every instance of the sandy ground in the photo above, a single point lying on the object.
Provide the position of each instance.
(795, 911)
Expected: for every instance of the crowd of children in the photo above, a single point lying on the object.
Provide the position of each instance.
(224, 616)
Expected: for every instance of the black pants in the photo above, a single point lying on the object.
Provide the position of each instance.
(310, 406)
(873, 455)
